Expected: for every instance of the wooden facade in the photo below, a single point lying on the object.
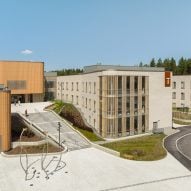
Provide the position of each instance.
(5, 119)
(124, 108)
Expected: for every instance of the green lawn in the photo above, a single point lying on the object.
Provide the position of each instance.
(89, 135)
(147, 148)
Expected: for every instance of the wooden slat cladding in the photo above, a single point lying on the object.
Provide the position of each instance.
(30, 72)
(5, 119)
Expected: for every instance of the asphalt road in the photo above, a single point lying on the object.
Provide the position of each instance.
(179, 145)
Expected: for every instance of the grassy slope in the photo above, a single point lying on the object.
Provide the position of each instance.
(89, 135)
(145, 148)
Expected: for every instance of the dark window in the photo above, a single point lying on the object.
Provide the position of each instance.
(50, 84)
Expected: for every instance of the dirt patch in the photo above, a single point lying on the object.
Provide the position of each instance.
(34, 149)
(17, 125)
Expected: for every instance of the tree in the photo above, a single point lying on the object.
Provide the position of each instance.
(160, 63)
(152, 63)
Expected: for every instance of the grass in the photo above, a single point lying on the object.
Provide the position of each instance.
(89, 135)
(147, 148)
(57, 106)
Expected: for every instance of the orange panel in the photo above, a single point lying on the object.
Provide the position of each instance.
(31, 72)
(5, 119)
(167, 79)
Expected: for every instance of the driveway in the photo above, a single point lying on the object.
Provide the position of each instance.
(47, 121)
(179, 145)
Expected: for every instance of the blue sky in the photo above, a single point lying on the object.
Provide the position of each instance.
(75, 33)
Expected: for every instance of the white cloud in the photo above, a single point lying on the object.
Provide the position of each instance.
(26, 51)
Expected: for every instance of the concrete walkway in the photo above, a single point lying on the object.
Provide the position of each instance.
(47, 121)
(30, 107)
(94, 170)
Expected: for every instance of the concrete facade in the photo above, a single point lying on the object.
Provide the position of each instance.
(120, 101)
(5, 119)
(24, 79)
(181, 91)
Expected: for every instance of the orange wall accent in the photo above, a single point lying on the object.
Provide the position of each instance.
(32, 72)
(167, 79)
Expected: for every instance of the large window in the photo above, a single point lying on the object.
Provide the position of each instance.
(50, 84)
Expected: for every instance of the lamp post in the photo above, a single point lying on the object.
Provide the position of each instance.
(59, 125)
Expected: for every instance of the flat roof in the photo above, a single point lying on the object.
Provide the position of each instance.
(99, 68)
(50, 74)
(21, 61)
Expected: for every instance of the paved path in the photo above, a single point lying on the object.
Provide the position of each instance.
(179, 145)
(47, 121)
(94, 170)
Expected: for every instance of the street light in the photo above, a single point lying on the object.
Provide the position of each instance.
(59, 125)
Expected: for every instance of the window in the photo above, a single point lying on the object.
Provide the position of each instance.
(86, 87)
(174, 105)
(89, 87)
(77, 86)
(174, 85)
(94, 106)
(66, 85)
(173, 95)
(136, 84)
(62, 84)
(94, 87)
(86, 102)
(76, 100)
(50, 84)
(72, 98)
(66, 97)
(182, 96)
(16, 85)
(182, 85)
(128, 84)
(89, 104)
(72, 86)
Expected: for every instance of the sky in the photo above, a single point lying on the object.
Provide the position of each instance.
(77, 33)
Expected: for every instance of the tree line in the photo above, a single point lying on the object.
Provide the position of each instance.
(65, 72)
(181, 67)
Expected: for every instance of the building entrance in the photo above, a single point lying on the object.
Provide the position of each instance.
(16, 98)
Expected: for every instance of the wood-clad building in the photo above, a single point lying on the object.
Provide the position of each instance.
(24, 79)
(5, 119)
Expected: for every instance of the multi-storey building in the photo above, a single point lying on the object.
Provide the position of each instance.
(24, 79)
(181, 91)
(120, 100)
